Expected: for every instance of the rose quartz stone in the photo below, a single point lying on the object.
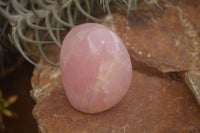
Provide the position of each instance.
(95, 67)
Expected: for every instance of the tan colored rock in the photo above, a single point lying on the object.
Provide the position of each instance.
(153, 104)
(156, 38)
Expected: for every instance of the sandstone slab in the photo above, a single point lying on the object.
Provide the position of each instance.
(164, 39)
(153, 104)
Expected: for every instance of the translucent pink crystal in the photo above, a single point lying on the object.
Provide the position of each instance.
(96, 68)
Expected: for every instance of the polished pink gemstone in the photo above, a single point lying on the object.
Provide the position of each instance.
(96, 68)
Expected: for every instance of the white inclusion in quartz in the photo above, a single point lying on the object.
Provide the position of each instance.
(102, 41)
(92, 47)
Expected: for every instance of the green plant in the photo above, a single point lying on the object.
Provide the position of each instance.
(4, 104)
(50, 17)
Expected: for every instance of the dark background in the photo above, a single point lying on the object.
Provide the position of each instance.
(19, 83)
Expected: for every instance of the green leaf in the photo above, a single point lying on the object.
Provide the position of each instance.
(7, 112)
(12, 99)
(5, 104)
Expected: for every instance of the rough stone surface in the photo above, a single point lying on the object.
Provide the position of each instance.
(161, 39)
(191, 25)
(153, 104)
(193, 83)
(156, 101)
